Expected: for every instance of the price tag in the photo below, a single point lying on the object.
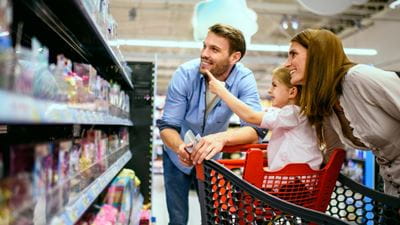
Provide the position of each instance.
(73, 214)
(85, 201)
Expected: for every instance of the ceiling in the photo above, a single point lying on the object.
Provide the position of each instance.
(370, 25)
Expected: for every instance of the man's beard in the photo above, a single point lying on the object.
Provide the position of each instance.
(219, 69)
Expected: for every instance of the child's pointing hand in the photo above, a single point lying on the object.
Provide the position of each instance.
(214, 85)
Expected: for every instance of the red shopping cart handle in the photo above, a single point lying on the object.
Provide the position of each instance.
(243, 148)
(232, 163)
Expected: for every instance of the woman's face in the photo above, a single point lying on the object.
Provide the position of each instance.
(296, 63)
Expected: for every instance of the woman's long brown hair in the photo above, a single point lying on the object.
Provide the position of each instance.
(326, 66)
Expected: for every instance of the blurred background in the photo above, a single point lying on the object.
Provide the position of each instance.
(369, 24)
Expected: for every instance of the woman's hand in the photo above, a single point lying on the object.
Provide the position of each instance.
(214, 85)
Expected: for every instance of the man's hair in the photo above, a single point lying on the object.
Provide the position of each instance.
(235, 37)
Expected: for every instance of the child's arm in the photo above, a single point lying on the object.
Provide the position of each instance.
(241, 109)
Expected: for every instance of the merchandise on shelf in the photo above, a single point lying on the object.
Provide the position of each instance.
(7, 57)
(120, 204)
(47, 174)
(50, 176)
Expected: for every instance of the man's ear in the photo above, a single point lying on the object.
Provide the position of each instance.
(235, 57)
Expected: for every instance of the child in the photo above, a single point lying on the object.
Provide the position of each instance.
(293, 139)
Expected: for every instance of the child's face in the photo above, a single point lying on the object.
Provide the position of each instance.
(279, 93)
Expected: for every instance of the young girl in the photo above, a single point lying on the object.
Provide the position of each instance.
(293, 139)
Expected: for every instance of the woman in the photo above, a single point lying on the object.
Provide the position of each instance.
(352, 104)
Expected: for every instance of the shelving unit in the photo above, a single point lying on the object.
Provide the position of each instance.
(68, 28)
(359, 166)
(75, 210)
(34, 111)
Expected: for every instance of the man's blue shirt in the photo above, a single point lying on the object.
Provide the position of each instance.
(185, 104)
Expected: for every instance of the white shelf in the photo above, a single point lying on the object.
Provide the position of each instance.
(74, 211)
(17, 109)
(82, 5)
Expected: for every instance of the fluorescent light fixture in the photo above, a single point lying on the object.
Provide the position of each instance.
(360, 51)
(394, 4)
(157, 43)
(4, 33)
(198, 45)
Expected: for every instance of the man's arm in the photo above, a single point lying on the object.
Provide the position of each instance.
(212, 144)
(173, 140)
(174, 112)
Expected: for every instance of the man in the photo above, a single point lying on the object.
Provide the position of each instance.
(189, 105)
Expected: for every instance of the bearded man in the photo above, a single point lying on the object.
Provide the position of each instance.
(190, 106)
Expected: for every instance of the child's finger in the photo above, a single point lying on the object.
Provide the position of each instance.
(210, 75)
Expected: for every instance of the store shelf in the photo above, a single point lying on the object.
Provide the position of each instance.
(74, 211)
(68, 26)
(95, 29)
(17, 109)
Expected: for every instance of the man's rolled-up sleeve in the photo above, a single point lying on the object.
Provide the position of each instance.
(175, 102)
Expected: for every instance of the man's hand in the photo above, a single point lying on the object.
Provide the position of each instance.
(214, 85)
(183, 155)
(207, 147)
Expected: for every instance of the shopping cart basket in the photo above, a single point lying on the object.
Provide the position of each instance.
(228, 199)
(259, 198)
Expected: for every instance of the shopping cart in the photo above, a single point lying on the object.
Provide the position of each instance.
(294, 195)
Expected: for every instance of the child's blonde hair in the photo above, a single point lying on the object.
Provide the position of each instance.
(283, 75)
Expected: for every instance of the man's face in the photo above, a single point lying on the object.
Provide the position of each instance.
(215, 56)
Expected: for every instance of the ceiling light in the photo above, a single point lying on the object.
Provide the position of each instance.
(285, 22)
(395, 4)
(294, 22)
(198, 45)
(360, 51)
(132, 13)
(4, 33)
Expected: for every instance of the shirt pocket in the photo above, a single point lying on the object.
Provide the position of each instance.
(221, 113)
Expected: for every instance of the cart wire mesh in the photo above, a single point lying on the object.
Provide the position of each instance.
(226, 198)
(358, 204)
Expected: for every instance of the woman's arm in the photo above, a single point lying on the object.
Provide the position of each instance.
(241, 109)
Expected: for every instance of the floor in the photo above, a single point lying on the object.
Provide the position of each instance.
(159, 206)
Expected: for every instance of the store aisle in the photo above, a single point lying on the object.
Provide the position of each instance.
(159, 206)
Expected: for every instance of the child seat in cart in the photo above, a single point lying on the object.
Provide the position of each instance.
(296, 194)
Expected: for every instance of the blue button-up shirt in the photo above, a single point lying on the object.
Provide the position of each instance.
(185, 105)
